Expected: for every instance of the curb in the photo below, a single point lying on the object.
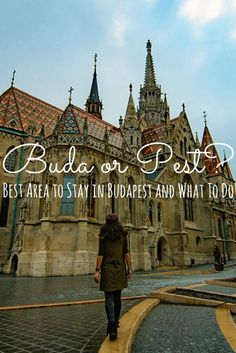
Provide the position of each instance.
(182, 272)
(227, 326)
(221, 283)
(129, 324)
(51, 305)
(166, 296)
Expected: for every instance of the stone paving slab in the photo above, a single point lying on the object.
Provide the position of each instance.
(219, 289)
(28, 290)
(79, 328)
(23, 330)
(180, 329)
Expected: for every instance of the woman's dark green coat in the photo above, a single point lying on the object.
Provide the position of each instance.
(113, 269)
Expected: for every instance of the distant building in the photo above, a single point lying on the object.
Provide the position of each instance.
(52, 236)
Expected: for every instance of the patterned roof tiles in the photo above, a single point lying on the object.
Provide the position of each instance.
(97, 127)
(210, 163)
(67, 123)
(155, 134)
(19, 111)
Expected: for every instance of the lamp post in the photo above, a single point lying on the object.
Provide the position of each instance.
(225, 244)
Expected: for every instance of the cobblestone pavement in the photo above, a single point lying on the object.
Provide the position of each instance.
(180, 329)
(78, 328)
(28, 290)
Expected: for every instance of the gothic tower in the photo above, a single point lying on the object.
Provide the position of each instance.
(93, 103)
(130, 127)
(152, 108)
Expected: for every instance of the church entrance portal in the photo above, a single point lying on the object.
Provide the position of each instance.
(162, 251)
(14, 264)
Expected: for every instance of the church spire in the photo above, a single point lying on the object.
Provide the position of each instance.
(130, 127)
(93, 103)
(197, 140)
(150, 79)
(152, 108)
(210, 163)
(130, 111)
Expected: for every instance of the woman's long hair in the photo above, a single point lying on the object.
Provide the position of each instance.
(112, 229)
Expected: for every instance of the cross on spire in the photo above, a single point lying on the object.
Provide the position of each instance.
(183, 105)
(13, 78)
(70, 91)
(205, 118)
(93, 103)
(95, 60)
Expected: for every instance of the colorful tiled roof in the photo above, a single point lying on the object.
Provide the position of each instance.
(210, 163)
(19, 111)
(155, 134)
(98, 128)
(67, 123)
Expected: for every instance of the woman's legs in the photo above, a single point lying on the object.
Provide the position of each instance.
(113, 305)
(109, 305)
(110, 311)
(117, 305)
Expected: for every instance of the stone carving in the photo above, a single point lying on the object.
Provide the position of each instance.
(24, 209)
(47, 207)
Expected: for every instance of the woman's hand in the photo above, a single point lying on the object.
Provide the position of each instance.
(129, 273)
(96, 277)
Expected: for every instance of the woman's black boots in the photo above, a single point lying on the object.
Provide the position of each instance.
(112, 330)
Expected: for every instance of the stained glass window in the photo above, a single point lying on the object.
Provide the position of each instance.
(10, 162)
(67, 204)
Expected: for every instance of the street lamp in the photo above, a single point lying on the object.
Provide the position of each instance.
(225, 243)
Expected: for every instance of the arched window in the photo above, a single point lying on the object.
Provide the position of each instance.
(68, 199)
(181, 147)
(230, 235)
(131, 140)
(188, 200)
(10, 162)
(185, 146)
(220, 233)
(91, 199)
(114, 181)
(159, 215)
(4, 209)
(131, 201)
(150, 212)
(189, 150)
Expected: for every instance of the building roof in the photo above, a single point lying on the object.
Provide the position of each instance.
(210, 163)
(19, 111)
(155, 133)
(96, 127)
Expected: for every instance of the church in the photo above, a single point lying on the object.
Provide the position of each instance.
(55, 195)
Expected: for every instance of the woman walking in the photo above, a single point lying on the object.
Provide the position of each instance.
(113, 257)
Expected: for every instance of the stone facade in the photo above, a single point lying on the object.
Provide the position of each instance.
(54, 236)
